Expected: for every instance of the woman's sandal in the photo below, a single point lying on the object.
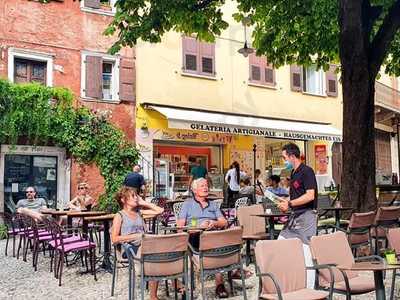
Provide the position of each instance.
(221, 292)
(236, 274)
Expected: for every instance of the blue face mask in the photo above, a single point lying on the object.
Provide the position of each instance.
(288, 165)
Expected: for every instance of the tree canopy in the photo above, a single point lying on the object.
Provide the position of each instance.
(286, 31)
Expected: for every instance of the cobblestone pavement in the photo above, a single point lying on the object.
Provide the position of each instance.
(19, 281)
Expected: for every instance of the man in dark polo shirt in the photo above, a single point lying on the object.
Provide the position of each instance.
(135, 179)
(303, 192)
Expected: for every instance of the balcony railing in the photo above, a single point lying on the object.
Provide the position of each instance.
(387, 96)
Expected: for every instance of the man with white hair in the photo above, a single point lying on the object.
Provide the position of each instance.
(207, 215)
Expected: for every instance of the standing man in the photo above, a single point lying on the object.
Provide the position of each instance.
(303, 194)
(198, 171)
(135, 180)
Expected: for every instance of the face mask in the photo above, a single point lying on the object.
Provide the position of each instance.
(288, 165)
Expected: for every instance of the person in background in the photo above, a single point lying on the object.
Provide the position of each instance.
(245, 187)
(198, 171)
(275, 188)
(207, 215)
(135, 180)
(31, 206)
(83, 201)
(285, 182)
(128, 225)
(232, 177)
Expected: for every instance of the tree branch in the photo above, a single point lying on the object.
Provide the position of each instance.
(385, 35)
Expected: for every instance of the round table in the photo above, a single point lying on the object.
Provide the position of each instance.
(337, 211)
(377, 268)
(271, 225)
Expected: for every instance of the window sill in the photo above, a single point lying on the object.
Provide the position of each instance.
(269, 87)
(315, 95)
(198, 76)
(101, 100)
(98, 11)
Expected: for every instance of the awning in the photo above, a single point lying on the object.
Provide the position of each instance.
(216, 122)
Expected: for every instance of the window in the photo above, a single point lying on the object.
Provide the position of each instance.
(106, 7)
(28, 66)
(107, 78)
(261, 72)
(313, 80)
(198, 57)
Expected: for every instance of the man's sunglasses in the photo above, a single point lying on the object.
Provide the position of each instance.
(30, 192)
(82, 188)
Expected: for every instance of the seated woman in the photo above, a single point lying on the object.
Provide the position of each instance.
(83, 201)
(245, 187)
(128, 224)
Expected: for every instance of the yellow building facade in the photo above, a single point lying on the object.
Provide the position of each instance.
(220, 116)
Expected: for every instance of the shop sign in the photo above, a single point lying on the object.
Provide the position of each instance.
(190, 136)
(270, 133)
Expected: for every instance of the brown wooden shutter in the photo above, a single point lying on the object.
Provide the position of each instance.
(269, 73)
(190, 54)
(255, 64)
(331, 82)
(207, 55)
(94, 70)
(383, 160)
(127, 79)
(296, 78)
(92, 3)
(20, 71)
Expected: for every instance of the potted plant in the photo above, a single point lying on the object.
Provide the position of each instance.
(390, 256)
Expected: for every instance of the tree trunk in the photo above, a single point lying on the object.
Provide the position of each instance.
(358, 81)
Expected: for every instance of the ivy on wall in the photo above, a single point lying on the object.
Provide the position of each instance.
(40, 115)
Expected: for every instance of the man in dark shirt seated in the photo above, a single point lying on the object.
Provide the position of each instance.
(135, 179)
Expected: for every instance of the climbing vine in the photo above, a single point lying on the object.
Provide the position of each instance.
(39, 115)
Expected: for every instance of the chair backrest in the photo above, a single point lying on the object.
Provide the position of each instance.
(241, 202)
(251, 225)
(324, 201)
(285, 260)
(387, 216)
(332, 249)
(393, 237)
(221, 248)
(177, 209)
(359, 227)
(163, 255)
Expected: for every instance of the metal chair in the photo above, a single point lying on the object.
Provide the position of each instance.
(219, 251)
(386, 217)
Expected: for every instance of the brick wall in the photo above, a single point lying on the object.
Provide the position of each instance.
(63, 30)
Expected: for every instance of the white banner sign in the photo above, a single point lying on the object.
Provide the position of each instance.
(270, 133)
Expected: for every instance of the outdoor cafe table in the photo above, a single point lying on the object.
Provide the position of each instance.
(82, 214)
(337, 211)
(105, 219)
(377, 268)
(271, 224)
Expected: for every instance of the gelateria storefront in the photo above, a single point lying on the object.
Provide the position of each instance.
(174, 138)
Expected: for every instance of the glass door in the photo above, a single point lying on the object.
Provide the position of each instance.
(21, 171)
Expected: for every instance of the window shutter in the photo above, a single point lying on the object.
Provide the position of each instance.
(269, 73)
(296, 78)
(93, 87)
(331, 82)
(92, 3)
(207, 54)
(20, 71)
(255, 63)
(190, 54)
(127, 79)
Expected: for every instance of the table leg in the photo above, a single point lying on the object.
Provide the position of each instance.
(271, 228)
(106, 264)
(379, 286)
(337, 218)
(69, 224)
(85, 228)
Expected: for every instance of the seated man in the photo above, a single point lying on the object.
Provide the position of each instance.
(208, 215)
(31, 205)
(275, 188)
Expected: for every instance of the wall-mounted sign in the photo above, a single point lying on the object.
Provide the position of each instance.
(270, 133)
